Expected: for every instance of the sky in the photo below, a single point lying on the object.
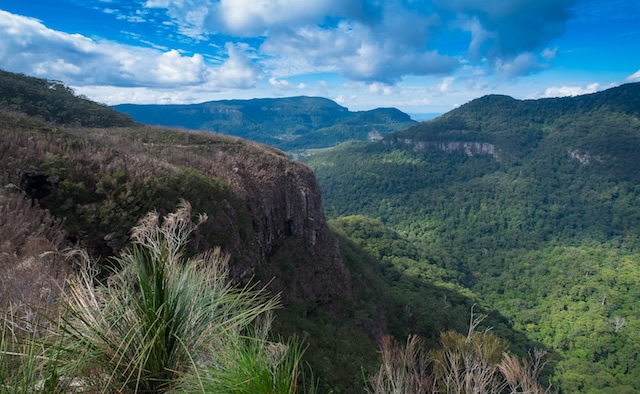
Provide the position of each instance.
(421, 56)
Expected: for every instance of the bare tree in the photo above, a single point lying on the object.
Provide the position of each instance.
(617, 323)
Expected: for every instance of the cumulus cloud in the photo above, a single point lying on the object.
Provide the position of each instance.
(359, 52)
(635, 77)
(283, 83)
(382, 89)
(564, 91)
(375, 41)
(247, 18)
(523, 64)
(26, 45)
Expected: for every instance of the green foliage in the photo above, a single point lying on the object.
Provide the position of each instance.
(26, 365)
(252, 364)
(161, 323)
(544, 230)
(161, 315)
(52, 101)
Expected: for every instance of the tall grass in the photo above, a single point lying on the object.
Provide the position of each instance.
(27, 364)
(161, 315)
(249, 363)
(475, 363)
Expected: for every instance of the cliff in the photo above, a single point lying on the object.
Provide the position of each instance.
(264, 209)
(469, 148)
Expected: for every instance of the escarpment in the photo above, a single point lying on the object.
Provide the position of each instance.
(263, 209)
(294, 248)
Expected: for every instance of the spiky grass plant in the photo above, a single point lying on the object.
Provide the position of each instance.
(161, 315)
(27, 364)
(474, 363)
(249, 363)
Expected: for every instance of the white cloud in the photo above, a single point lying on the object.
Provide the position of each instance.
(564, 91)
(340, 99)
(237, 72)
(379, 41)
(302, 86)
(357, 51)
(522, 64)
(446, 83)
(247, 18)
(283, 83)
(635, 77)
(26, 45)
(549, 54)
(189, 15)
(254, 17)
(379, 88)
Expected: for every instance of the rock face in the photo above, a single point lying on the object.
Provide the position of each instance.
(584, 158)
(266, 211)
(294, 246)
(470, 148)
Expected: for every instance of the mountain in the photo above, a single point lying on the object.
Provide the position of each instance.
(533, 204)
(344, 284)
(290, 124)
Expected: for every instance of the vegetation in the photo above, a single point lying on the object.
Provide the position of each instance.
(52, 101)
(474, 363)
(293, 124)
(541, 230)
(162, 322)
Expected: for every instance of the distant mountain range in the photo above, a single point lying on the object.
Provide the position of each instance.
(290, 124)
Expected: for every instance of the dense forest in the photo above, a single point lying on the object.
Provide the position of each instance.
(533, 204)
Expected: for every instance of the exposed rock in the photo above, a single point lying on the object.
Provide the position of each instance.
(470, 148)
(295, 248)
(584, 158)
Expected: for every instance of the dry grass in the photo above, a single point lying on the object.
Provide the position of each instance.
(476, 363)
(32, 268)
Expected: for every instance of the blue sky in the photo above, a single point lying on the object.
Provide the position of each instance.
(421, 56)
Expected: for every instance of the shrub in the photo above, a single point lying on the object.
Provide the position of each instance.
(474, 363)
(161, 314)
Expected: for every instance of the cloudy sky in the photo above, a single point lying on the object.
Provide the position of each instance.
(421, 56)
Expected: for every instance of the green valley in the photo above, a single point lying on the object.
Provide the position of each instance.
(534, 204)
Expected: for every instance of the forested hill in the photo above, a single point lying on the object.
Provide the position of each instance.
(52, 101)
(291, 123)
(493, 114)
(536, 204)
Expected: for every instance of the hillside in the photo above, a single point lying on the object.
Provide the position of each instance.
(52, 101)
(343, 285)
(534, 203)
(290, 124)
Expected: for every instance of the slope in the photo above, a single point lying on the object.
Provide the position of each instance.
(342, 286)
(535, 203)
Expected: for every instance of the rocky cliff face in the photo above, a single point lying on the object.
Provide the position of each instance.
(264, 209)
(292, 244)
(470, 148)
